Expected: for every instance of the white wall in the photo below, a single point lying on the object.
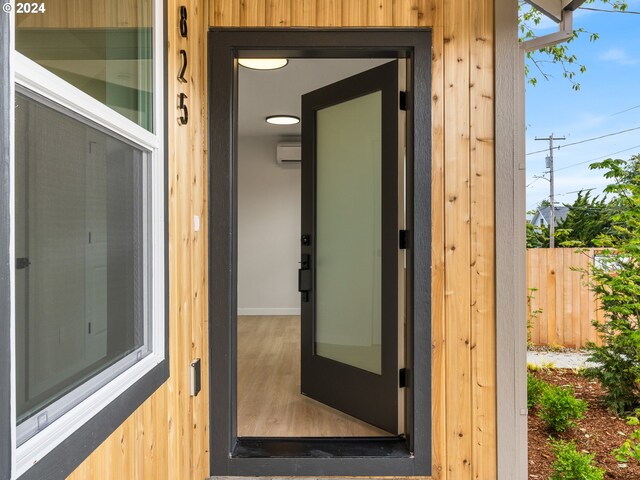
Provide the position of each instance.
(268, 230)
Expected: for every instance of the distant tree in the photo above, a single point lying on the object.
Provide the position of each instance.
(537, 237)
(625, 206)
(588, 218)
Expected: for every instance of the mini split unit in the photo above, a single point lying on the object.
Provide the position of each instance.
(288, 153)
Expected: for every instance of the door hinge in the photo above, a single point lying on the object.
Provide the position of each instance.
(403, 379)
(403, 239)
(403, 100)
(22, 263)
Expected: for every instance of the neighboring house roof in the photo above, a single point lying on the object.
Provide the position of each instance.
(543, 215)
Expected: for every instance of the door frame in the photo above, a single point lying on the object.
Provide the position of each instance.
(398, 456)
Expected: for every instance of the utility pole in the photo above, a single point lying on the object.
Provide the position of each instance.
(552, 211)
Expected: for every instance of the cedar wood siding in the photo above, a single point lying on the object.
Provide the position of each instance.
(167, 437)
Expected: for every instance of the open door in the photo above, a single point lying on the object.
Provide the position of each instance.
(348, 275)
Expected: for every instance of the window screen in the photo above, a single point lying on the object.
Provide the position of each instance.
(81, 253)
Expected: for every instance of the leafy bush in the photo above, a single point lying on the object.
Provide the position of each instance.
(559, 408)
(617, 361)
(633, 421)
(533, 367)
(630, 449)
(535, 387)
(616, 283)
(573, 465)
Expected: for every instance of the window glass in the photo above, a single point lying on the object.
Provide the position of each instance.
(102, 47)
(81, 252)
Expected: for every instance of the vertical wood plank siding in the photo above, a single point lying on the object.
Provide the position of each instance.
(483, 279)
(167, 437)
(457, 239)
(560, 306)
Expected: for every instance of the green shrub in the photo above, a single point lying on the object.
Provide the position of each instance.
(615, 280)
(535, 387)
(533, 367)
(630, 449)
(633, 421)
(617, 364)
(571, 464)
(559, 408)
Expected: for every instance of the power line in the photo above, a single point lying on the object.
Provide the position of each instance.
(623, 111)
(574, 191)
(534, 181)
(598, 158)
(586, 161)
(609, 11)
(587, 140)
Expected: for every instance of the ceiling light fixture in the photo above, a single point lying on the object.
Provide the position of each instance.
(282, 120)
(263, 63)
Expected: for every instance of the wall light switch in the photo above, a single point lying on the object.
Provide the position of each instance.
(196, 223)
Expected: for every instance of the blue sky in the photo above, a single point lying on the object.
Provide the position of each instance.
(610, 86)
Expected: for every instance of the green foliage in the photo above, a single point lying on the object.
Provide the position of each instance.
(534, 314)
(588, 218)
(535, 387)
(630, 449)
(559, 55)
(537, 237)
(616, 283)
(633, 421)
(573, 465)
(559, 408)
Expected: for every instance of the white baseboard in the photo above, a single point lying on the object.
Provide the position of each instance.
(268, 311)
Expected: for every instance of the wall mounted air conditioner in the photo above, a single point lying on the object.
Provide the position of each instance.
(289, 153)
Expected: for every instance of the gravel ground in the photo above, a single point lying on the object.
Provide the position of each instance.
(572, 360)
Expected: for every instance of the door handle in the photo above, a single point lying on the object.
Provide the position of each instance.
(304, 276)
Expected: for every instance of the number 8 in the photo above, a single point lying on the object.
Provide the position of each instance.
(183, 21)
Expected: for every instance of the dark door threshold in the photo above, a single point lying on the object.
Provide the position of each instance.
(323, 447)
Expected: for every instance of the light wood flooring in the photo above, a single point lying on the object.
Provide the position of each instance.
(269, 400)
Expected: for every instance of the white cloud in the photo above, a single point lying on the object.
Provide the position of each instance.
(619, 56)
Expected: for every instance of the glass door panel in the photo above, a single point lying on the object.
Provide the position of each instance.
(348, 251)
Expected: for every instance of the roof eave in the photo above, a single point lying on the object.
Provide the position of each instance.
(554, 8)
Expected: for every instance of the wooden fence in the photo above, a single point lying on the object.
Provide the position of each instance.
(560, 307)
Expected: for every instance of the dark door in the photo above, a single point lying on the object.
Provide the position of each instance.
(349, 266)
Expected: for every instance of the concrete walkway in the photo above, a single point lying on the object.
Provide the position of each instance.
(559, 359)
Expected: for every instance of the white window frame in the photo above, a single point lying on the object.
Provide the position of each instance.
(37, 79)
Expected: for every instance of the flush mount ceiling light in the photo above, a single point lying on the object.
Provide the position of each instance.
(282, 120)
(263, 63)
